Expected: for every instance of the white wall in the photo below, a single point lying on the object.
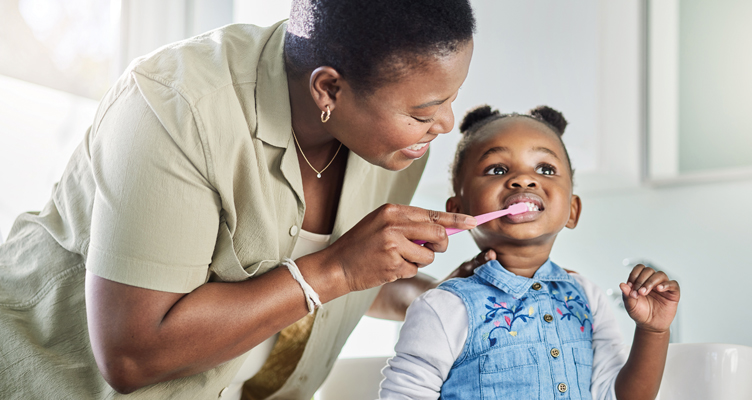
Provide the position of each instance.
(39, 129)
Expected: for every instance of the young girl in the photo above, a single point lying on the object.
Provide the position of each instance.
(522, 327)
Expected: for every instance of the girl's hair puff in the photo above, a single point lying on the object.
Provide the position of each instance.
(480, 116)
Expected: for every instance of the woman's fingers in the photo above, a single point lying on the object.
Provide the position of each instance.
(426, 226)
(419, 255)
(380, 247)
(445, 219)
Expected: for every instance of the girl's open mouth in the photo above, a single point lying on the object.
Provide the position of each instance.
(534, 205)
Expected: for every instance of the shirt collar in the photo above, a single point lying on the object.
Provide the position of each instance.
(516, 285)
(273, 117)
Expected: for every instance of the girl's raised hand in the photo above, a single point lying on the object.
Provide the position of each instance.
(650, 298)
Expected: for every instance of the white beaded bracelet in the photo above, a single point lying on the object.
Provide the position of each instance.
(312, 299)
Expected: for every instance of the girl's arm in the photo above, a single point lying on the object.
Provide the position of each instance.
(651, 300)
(431, 339)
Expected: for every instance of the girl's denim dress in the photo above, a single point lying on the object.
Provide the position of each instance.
(527, 338)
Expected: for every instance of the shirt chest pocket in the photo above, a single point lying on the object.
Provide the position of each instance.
(583, 361)
(226, 267)
(509, 374)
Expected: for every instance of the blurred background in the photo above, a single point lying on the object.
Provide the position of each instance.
(657, 94)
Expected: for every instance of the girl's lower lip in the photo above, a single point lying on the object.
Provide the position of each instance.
(416, 154)
(524, 217)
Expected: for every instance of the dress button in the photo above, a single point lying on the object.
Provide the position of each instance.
(537, 286)
(562, 387)
(293, 230)
(555, 352)
(223, 392)
(548, 317)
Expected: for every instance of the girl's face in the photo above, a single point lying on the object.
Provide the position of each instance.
(517, 160)
(394, 125)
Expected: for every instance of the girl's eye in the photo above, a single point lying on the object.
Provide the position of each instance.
(496, 170)
(545, 169)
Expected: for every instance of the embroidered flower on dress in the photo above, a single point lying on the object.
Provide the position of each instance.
(511, 315)
(570, 312)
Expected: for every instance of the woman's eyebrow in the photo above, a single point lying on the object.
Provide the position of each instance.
(432, 103)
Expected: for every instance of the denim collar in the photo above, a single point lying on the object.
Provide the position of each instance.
(516, 285)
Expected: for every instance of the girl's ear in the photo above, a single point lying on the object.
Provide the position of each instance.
(325, 85)
(575, 207)
(453, 204)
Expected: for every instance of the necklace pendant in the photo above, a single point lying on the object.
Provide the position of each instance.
(318, 176)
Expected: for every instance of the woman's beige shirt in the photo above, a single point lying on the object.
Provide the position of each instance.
(188, 174)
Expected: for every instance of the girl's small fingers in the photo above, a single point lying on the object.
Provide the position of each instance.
(670, 290)
(638, 282)
(655, 279)
(667, 286)
(625, 289)
(635, 273)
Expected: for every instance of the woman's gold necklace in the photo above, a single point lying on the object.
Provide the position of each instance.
(318, 173)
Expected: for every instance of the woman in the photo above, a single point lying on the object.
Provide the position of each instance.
(209, 164)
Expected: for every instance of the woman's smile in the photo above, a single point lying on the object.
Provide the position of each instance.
(417, 150)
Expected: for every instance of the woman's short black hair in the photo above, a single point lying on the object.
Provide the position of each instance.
(481, 116)
(371, 42)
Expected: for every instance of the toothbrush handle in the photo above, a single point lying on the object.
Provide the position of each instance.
(449, 231)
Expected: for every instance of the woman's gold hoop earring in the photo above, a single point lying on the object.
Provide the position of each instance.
(326, 114)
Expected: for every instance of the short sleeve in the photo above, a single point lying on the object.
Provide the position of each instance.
(155, 214)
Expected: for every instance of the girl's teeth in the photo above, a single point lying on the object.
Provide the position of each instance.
(531, 206)
(417, 146)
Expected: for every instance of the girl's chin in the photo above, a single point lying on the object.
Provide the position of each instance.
(492, 236)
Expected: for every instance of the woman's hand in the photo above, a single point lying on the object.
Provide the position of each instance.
(468, 267)
(650, 298)
(395, 297)
(380, 248)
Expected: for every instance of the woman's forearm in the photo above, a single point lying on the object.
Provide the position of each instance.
(141, 337)
(640, 378)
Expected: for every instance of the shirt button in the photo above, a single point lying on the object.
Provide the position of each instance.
(537, 286)
(555, 352)
(562, 387)
(223, 392)
(293, 230)
(548, 317)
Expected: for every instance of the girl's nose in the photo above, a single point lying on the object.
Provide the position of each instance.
(521, 181)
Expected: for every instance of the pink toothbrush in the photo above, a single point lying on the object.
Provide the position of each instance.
(514, 209)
